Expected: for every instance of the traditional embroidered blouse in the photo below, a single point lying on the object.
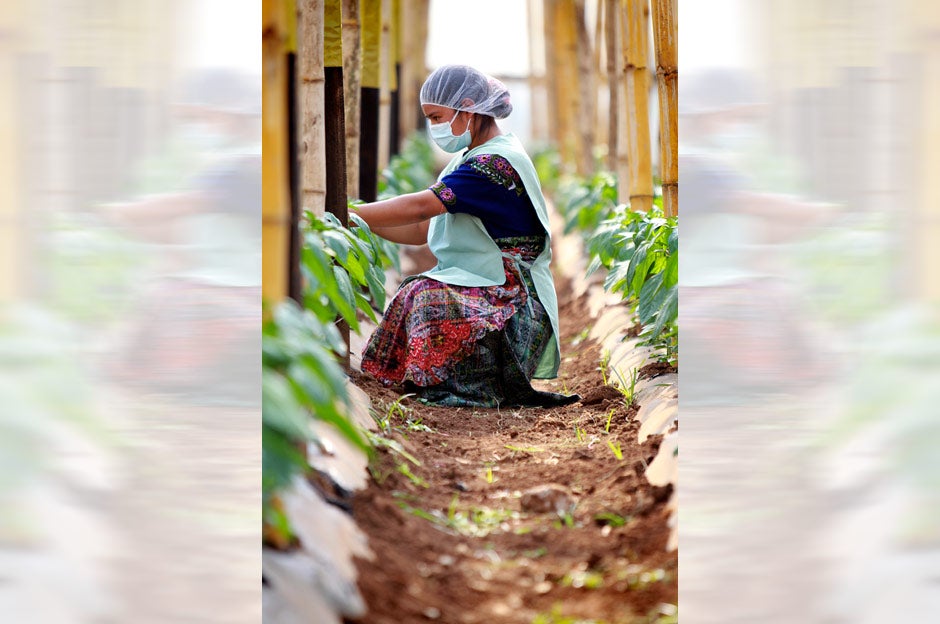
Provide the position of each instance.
(487, 187)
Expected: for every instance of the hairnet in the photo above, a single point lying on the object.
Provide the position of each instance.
(451, 85)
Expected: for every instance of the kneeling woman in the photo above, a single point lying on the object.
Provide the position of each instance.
(477, 328)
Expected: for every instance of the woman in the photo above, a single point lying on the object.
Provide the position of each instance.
(474, 330)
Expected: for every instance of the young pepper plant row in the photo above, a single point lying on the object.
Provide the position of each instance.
(302, 379)
(640, 250)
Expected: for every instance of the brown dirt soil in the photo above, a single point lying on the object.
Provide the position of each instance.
(457, 541)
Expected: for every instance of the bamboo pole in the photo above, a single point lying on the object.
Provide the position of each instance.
(334, 111)
(371, 21)
(599, 69)
(385, 99)
(549, 11)
(275, 205)
(612, 40)
(562, 47)
(407, 90)
(310, 85)
(664, 36)
(352, 83)
(394, 86)
(586, 104)
(414, 35)
(636, 53)
(537, 94)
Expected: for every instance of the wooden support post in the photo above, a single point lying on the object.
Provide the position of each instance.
(614, 62)
(371, 20)
(352, 85)
(385, 100)
(334, 127)
(664, 37)
(276, 38)
(394, 141)
(586, 105)
(636, 54)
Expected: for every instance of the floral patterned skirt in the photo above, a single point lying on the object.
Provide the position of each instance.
(465, 345)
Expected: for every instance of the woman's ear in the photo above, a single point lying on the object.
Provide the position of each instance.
(466, 103)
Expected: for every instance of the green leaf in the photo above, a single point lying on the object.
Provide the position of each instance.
(280, 408)
(280, 460)
(651, 298)
(346, 301)
(376, 282)
(338, 243)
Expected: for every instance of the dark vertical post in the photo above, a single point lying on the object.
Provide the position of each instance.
(294, 280)
(394, 140)
(369, 144)
(334, 127)
(335, 130)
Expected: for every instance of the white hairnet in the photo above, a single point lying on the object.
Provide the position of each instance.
(453, 85)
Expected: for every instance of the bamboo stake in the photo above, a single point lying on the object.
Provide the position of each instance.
(275, 204)
(586, 105)
(334, 111)
(310, 85)
(371, 21)
(385, 99)
(637, 74)
(407, 91)
(599, 69)
(564, 59)
(611, 40)
(352, 82)
(395, 81)
(664, 36)
(538, 96)
(549, 11)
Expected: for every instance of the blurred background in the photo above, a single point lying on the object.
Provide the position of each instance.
(130, 289)
(129, 310)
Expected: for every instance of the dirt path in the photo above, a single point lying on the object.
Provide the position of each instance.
(460, 538)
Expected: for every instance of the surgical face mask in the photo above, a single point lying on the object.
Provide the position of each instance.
(442, 135)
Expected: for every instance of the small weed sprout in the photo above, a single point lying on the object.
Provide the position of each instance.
(616, 449)
(610, 416)
(489, 474)
(628, 390)
(403, 468)
(605, 362)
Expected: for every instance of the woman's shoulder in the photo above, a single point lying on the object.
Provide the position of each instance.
(497, 169)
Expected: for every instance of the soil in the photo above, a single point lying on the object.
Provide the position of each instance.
(515, 516)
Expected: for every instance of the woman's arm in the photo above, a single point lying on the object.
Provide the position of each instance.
(403, 219)
(402, 210)
(413, 234)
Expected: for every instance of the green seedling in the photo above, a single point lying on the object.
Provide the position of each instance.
(610, 416)
(524, 449)
(610, 519)
(580, 433)
(605, 362)
(628, 390)
(403, 468)
(489, 474)
(618, 453)
(583, 578)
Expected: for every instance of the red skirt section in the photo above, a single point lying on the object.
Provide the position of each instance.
(429, 326)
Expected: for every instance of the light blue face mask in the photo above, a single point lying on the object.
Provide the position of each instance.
(442, 135)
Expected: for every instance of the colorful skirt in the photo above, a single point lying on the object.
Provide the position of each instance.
(465, 345)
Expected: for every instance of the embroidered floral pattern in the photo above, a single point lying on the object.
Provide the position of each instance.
(497, 170)
(444, 193)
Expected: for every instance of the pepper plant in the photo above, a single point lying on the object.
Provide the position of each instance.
(640, 250)
(302, 379)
